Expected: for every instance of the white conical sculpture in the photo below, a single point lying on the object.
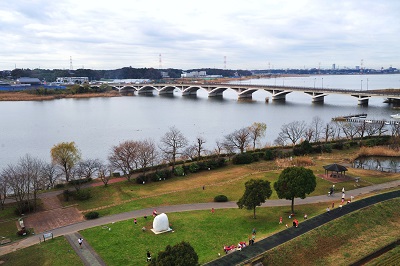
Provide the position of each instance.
(161, 224)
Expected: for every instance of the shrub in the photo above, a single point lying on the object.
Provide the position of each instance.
(194, 167)
(24, 207)
(242, 158)
(178, 171)
(220, 198)
(327, 148)
(91, 215)
(67, 194)
(338, 145)
(269, 155)
(59, 186)
(80, 181)
(82, 194)
(140, 179)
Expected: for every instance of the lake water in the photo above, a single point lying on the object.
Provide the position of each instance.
(99, 123)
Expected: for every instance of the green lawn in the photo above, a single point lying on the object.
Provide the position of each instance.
(50, 253)
(126, 244)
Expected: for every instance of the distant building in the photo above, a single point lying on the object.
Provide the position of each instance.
(194, 74)
(29, 81)
(164, 74)
(72, 80)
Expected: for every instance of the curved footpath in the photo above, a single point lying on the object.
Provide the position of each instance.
(245, 254)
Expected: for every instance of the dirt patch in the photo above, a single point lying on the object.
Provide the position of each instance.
(48, 220)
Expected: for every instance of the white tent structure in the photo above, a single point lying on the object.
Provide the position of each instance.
(161, 224)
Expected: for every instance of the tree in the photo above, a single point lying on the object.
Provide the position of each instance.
(199, 147)
(104, 173)
(239, 139)
(51, 173)
(66, 155)
(295, 182)
(293, 131)
(171, 144)
(146, 154)
(256, 192)
(257, 131)
(181, 254)
(3, 191)
(125, 157)
(317, 126)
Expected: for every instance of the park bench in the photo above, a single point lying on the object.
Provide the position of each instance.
(47, 236)
(5, 241)
(21, 227)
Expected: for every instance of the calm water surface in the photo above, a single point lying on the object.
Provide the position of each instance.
(99, 123)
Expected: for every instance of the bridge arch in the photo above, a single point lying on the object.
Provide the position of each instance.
(191, 90)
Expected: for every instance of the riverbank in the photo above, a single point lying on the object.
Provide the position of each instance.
(25, 96)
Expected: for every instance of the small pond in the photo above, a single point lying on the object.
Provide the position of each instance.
(384, 164)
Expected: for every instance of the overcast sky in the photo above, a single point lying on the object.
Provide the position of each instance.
(251, 34)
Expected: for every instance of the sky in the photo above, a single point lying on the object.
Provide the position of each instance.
(234, 34)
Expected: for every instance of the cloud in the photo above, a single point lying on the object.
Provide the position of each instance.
(251, 34)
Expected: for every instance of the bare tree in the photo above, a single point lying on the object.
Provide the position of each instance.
(200, 141)
(89, 167)
(219, 147)
(349, 129)
(51, 173)
(280, 140)
(257, 131)
(104, 173)
(171, 145)
(3, 191)
(239, 139)
(293, 131)
(190, 152)
(329, 131)
(124, 157)
(146, 155)
(317, 125)
(24, 180)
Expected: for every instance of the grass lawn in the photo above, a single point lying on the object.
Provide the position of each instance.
(344, 240)
(229, 181)
(126, 244)
(391, 257)
(51, 253)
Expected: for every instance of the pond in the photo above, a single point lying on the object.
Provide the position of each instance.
(384, 164)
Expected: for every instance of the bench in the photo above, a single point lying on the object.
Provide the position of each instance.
(47, 236)
(5, 241)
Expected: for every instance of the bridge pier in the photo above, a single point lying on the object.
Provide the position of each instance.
(279, 95)
(317, 97)
(362, 99)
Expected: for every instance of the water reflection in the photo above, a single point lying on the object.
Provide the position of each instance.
(384, 164)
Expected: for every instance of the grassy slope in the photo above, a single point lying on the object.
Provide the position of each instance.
(55, 252)
(344, 240)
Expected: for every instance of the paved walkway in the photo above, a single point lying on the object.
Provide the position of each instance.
(87, 254)
(73, 228)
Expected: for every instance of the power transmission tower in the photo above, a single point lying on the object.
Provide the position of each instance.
(225, 62)
(70, 63)
(159, 62)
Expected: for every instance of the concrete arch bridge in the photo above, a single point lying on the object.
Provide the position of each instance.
(245, 91)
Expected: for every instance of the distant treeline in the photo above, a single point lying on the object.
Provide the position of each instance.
(121, 73)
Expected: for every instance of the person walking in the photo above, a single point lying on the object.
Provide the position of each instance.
(135, 221)
(148, 256)
(80, 241)
(280, 220)
(328, 211)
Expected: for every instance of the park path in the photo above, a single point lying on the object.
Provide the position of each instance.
(86, 253)
(73, 228)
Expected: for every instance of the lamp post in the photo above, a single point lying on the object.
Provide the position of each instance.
(367, 84)
(322, 83)
(361, 84)
(314, 82)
